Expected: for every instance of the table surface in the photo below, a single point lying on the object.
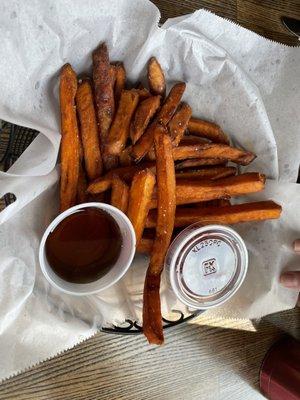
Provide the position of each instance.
(207, 359)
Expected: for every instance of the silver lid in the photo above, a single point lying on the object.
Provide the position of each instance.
(206, 265)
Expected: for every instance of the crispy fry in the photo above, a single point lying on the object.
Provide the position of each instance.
(125, 158)
(119, 131)
(81, 186)
(210, 150)
(103, 84)
(145, 246)
(188, 140)
(119, 194)
(144, 113)
(188, 191)
(104, 79)
(120, 81)
(213, 150)
(156, 78)
(70, 142)
(207, 173)
(89, 130)
(227, 215)
(100, 185)
(152, 319)
(139, 199)
(145, 143)
(179, 122)
(198, 162)
(207, 130)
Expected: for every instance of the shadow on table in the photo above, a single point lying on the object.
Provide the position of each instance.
(240, 346)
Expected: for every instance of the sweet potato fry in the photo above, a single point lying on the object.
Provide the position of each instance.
(119, 194)
(119, 131)
(81, 186)
(198, 162)
(207, 130)
(89, 130)
(156, 77)
(152, 319)
(104, 95)
(210, 150)
(104, 80)
(179, 122)
(227, 215)
(207, 173)
(145, 143)
(139, 200)
(125, 158)
(144, 113)
(119, 82)
(70, 141)
(188, 140)
(213, 150)
(188, 192)
(145, 246)
(100, 185)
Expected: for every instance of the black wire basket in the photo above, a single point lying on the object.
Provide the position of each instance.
(14, 140)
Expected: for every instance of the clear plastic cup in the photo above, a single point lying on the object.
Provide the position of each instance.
(206, 265)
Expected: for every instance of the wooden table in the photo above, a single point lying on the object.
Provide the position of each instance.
(204, 360)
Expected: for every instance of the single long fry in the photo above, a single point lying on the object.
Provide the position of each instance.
(188, 192)
(152, 319)
(207, 173)
(100, 185)
(179, 122)
(119, 194)
(213, 150)
(207, 130)
(139, 200)
(119, 131)
(227, 215)
(145, 143)
(144, 113)
(120, 81)
(89, 130)
(188, 140)
(104, 95)
(156, 77)
(104, 79)
(70, 143)
(198, 162)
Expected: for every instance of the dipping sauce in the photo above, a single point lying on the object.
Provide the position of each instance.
(84, 246)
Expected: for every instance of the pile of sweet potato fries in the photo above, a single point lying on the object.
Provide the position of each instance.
(143, 152)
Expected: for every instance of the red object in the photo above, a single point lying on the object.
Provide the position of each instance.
(280, 370)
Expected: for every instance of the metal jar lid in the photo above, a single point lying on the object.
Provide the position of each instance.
(206, 265)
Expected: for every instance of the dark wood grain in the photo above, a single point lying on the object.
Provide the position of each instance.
(207, 360)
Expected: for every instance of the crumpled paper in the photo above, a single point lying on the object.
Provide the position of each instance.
(249, 85)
